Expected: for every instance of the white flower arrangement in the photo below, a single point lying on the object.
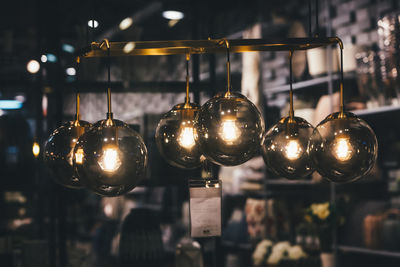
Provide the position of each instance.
(261, 252)
(281, 250)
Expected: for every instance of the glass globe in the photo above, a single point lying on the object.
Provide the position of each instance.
(284, 148)
(175, 137)
(59, 152)
(229, 129)
(114, 158)
(343, 147)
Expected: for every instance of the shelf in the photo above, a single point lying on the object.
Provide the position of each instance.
(300, 85)
(374, 111)
(179, 47)
(366, 251)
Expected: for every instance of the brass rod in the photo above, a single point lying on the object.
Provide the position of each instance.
(228, 68)
(187, 100)
(341, 82)
(180, 47)
(107, 44)
(78, 103)
(291, 109)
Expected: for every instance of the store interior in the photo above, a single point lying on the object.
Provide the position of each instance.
(79, 77)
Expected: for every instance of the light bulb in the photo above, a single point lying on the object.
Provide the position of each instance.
(229, 129)
(175, 137)
(186, 138)
(35, 149)
(79, 156)
(293, 150)
(343, 148)
(110, 160)
(114, 158)
(59, 153)
(284, 148)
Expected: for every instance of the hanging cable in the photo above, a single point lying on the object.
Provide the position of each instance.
(228, 68)
(291, 109)
(187, 99)
(341, 80)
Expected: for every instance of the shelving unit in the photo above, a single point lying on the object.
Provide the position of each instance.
(366, 251)
(374, 111)
(300, 85)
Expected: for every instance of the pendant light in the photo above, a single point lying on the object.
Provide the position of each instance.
(284, 147)
(229, 127)
(114, 155)
(59, 149)
(343, 147)
(175, 133)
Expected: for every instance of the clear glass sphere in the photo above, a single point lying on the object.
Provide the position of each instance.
(175, 137)
(59, 152)
(284, 148)
(114, 158)
(229, 129)
(343, 147)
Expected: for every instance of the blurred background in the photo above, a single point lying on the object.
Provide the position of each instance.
(44, 224)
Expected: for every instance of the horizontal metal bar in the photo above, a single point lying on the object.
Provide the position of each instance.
(135, 87)
(156, 48)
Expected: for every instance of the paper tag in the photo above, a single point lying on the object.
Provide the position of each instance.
(205, 211)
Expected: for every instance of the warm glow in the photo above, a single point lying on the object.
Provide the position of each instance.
(186, 137)
(110, 161)
(79, 156)
(342, 149)
(35, 149)
(293, 150)
(125, 23)
(129, 47)
(230, 131)
(33, 66)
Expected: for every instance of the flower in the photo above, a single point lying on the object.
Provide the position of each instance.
(261, 251)
(296, 252)
(321, 210)
(278, 252)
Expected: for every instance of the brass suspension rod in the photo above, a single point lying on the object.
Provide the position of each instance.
(156, 48)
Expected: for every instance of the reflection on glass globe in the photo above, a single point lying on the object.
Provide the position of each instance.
(285, 148)
(114, 158)
(175, 137)
(59, 152)
(343, 147)
(229, 129)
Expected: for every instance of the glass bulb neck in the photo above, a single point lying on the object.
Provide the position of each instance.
(76, 121)
(110, 121)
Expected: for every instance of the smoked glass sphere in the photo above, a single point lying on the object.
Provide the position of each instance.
(285, 148)
(114, 158)
(175, 137)
(229, 129)
(59, 152)
(343, 147)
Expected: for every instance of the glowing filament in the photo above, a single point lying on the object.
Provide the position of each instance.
(79, 156)
(342, 149)
(186, 138)
(230, 131)
(35, 149)
(110, 161)
(293, 150)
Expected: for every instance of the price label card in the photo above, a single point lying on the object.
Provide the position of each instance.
(205, 211)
